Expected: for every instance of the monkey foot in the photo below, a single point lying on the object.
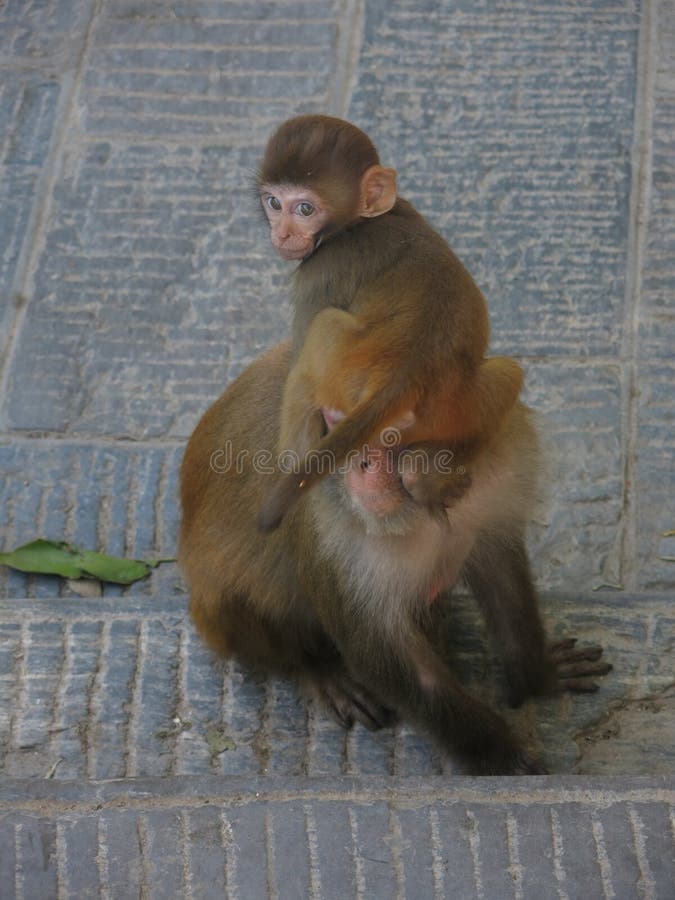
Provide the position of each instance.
(577, 667)
(348, 702)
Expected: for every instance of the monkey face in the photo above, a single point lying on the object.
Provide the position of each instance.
(374, 483)
(296, 216)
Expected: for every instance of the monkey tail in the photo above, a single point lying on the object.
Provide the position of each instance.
(350, 434)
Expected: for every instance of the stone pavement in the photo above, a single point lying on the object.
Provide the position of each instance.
(135, 282)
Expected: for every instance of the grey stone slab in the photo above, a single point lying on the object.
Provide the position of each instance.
(343, 837)
(574, 534)
(122, 687)
(208, 70)
(154, 289)
(655, 475)
(515, 140)
(655, 478)
(658, 271)
(35, 31)
(27, 109)
(110, 497)
(79, 842)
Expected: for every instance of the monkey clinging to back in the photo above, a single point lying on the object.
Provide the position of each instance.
(389, 330)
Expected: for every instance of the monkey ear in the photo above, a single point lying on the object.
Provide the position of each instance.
(378, 191)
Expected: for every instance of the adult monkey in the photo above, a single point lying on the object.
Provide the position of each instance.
(389, 327)
(339, 597)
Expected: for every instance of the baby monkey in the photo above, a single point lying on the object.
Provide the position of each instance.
(390, 330)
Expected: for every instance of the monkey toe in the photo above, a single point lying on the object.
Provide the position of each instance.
(372, 716)
(339, 715)
(349, 702)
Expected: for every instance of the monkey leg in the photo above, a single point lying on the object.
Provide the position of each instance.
(499, 577)
(410, 673)
(465, 726)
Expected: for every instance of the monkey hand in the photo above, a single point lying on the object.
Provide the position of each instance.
(347, 702)
(561, 667)
(430, 486)
(577, 667)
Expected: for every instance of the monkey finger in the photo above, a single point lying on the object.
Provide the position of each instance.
(583, 667)
(371, 717)
(561, 646)
(339, 715)
(348, 702)
(591, 652)
(576, 686)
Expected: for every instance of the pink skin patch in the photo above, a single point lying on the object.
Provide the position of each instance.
(436, 590)
(296, 215)
(331, 416)
(374, 481)
(377, 489)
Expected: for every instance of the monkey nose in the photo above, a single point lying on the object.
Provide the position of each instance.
(285, 227)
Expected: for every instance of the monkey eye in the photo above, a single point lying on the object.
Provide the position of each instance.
(305, 208)
(273, 203)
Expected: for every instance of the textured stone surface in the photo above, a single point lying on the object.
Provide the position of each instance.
(654, 413)
(119, 498)
(135, 282)
(27, 109)
(202, 837)
(122, 687)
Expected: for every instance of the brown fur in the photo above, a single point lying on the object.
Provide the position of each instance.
(339, 599)
(387, 319)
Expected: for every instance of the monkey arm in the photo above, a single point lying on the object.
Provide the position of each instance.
(398, 661)
(500, 580)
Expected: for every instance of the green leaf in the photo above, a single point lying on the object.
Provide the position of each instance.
(113, 568)
(42, 557)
